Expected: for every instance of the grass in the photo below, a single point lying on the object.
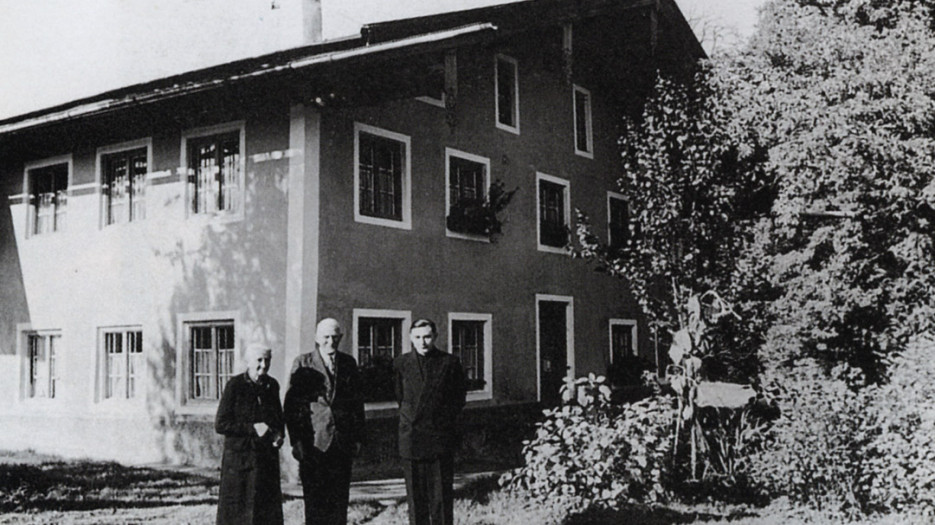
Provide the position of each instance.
(45, 489)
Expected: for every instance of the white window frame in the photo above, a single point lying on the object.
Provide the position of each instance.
(496, 92)
(634, 331)
(567, 184)
(405, 326)
(449, 153)
(26, 331)
(101, 370)
(99, 170)
(406, 198)
(449, 74)
(612, 195)
(184, 405)
(569, 337)
(487, 319)
(589, 125)
(205, 131)
(38, 164)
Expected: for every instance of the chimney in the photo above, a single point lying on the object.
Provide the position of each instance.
(311, 21)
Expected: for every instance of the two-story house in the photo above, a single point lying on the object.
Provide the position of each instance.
(149, 233)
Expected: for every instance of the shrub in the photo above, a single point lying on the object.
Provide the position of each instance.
(590, 452)
(816, 454)
(901, 455)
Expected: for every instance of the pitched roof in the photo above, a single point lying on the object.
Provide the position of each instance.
(377, 41)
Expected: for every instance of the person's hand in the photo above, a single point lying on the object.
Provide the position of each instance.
(261, 428)
(278, 441)
(297, 451)
(357, 450)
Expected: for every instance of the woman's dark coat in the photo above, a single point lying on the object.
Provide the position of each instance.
(250, 491)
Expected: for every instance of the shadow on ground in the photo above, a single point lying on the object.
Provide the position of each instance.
(645, 515)
(86, 485)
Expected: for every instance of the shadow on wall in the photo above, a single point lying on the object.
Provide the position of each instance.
(218, 266)
(14, 308)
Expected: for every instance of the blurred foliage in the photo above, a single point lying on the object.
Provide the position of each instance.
(592, 453)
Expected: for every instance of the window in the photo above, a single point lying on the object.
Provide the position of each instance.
(43, 351)
(123, 363)
(470, 338)
(506, 87)
(211, 351)
(123, 182)
(379, 336)
(381, 179)
(584, 140)
(618, 221)
(468, 182)
(623, 342)
(554, 208)
(433, 86)
(47, 190)
(215, 161)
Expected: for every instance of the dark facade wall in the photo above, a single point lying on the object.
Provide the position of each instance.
(430, 274)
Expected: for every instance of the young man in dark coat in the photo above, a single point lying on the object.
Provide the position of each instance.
(250, 419)
(325, 417)
(430, 390)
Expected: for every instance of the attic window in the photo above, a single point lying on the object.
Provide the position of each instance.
(506, 86)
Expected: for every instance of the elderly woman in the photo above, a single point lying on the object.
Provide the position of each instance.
(250, 418)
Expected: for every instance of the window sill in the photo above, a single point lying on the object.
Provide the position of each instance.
(511, 129)
(389, 223)
(552, 249)
(467, 236)
(437, 102)
(207, 408)
(479, 395)
(216, 218)
(585, 154)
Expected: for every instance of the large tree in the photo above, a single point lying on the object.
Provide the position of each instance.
(794, 177)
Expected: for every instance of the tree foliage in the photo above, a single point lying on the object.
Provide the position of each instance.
(840, 93)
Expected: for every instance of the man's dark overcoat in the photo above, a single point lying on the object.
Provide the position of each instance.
(325, 414)
(250, 491)
(431, 396)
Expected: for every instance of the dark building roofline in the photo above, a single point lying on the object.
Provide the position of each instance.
(411, 35)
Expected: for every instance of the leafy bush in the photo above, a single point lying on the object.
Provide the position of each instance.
(850, 451)
(817, 450)
(901, 455)
(591, 452)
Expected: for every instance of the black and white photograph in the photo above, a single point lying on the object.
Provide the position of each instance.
(458, 262)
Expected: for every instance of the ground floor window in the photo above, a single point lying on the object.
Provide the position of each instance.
(469, 338)
(43, 350)
(211, 353)
(123, 362)
(379, 337)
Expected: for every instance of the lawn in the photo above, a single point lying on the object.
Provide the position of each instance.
(43, 489)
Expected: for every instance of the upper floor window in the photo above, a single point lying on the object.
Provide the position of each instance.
(468, 183)
(554, 209)
(42, 354)
(123, 182)
(469, 338)
(47, 192)
(382, 177)
(618, 220)
(211, 351)
(379, 337)
(215, 161)
(584, 139)
(122, 363)
(506, 87)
